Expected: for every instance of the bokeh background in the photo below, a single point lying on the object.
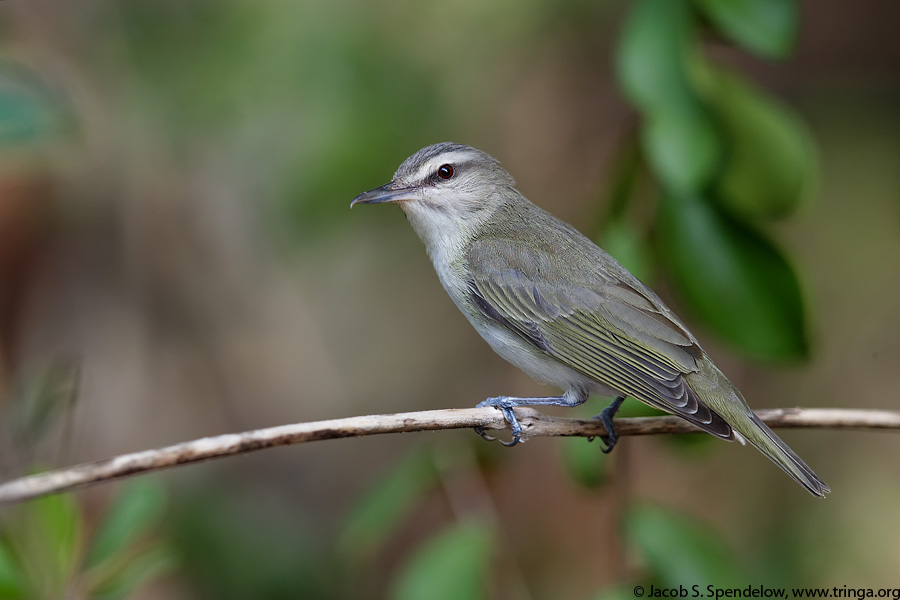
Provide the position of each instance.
(178, 259)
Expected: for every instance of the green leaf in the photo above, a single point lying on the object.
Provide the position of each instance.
(377, 515)
(59, 521)
(53, 532)
(11, 584)
(137, 511)
(651, 54)
(454, 564)
(683, 147)
(770, 163)
(655, 61)
(584, 461)
(767, 28)
(679, 550)
(734, 280)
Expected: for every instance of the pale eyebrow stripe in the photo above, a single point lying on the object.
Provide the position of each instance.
(457, 158)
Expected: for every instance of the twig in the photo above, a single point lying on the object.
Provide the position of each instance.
(533, 423)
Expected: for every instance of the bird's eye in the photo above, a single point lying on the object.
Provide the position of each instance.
(445, 171)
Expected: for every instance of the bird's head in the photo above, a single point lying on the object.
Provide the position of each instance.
(446, 190)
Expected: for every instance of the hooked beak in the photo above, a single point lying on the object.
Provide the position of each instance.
(385, 193)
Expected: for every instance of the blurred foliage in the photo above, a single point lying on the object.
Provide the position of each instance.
(455, 563)
(220, 548)
(657, 47)
(768, 169)
(725, 268)
(584, 462)
(247, 55)
(678, 550)
(47, 551)
(582, 458)
(380, 511)
(727, 157)
(589, 467)
(234, 544)
(767, 28)
(38, 402)
(29, 111)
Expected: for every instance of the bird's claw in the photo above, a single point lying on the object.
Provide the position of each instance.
(505, 407)
(610, 443)
(480, 431)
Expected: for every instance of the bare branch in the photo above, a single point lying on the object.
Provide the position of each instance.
(533, 423)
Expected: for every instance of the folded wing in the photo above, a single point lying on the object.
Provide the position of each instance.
(611, 329)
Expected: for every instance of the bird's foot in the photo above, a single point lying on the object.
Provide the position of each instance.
(606, 417)
(505, 405)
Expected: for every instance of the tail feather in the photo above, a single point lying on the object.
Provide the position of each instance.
(720, 395)
(780, 453)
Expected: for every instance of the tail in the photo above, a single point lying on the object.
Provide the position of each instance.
(722, 397)
(774, 447)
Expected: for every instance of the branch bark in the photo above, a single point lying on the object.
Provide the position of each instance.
(533, 424)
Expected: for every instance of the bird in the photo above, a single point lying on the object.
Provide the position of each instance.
(554, 304)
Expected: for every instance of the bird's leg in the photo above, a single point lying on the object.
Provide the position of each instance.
(606, 417)
(505, 404)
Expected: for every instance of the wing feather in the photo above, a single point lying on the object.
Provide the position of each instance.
(614, 331)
